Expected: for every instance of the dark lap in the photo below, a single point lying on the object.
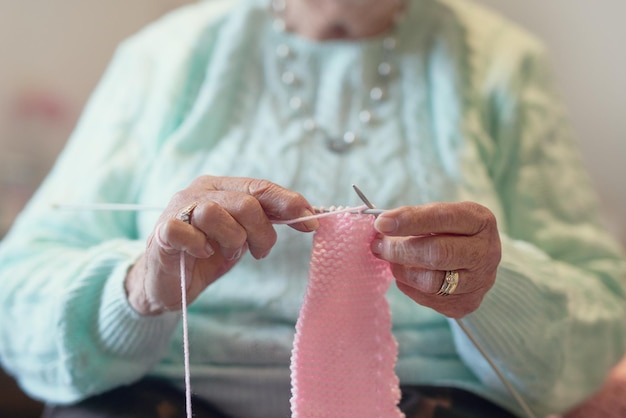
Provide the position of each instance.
(432, 402)
(149, 398)
(155, 399)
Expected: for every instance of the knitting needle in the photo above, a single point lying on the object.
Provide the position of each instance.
(362, 197)
(372, 210)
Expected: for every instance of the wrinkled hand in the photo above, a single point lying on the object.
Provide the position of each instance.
(232, 215)
(423, 242)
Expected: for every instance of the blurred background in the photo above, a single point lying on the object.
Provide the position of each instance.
(52, 53)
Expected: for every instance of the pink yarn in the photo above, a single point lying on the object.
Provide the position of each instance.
(344, 355)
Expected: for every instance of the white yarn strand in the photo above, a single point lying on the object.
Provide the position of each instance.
(183, 292)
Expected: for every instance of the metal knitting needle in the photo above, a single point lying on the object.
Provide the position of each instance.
(509, 386)
(362, 197)
(372, 209)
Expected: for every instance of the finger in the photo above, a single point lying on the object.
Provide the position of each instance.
(233, 220)
(219, 226)
(277, 202)
(431, 281)
(432, 252)
(174, 236)
(462, 218)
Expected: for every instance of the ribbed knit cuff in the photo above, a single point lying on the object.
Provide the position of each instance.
(519, 324)
(521, 304)
(123, 331)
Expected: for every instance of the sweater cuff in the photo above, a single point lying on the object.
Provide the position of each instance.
(520, 305)
(122, 330)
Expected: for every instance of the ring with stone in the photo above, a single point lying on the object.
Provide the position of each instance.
(450, 282)
(185, 214)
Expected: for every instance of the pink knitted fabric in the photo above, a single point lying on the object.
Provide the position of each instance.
(344, 355)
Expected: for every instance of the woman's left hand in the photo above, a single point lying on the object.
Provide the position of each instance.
(424, 242)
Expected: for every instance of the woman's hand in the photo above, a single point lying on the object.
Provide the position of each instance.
(231, 216)
(424, 242)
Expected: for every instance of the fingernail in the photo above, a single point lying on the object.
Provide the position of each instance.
(385, 225)
(264, 255)
(377, 246)
(311, 224)
(236, 255)
(209, 250)
(160, 241)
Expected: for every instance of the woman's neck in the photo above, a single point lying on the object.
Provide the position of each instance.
(340, 19)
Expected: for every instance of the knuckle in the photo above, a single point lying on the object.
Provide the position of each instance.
(206, 211)
(203, 181)
(399, 250)
(407, 275)
(486, 218)
(427, 282)
(246, 204)
(259, 187)
(445, 213)
(440, 254)
(277, 196)
(180, 196)
(168, 228)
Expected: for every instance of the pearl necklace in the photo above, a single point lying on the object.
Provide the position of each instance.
(342, 142)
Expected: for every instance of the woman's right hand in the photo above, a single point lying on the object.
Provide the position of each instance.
(231, 215)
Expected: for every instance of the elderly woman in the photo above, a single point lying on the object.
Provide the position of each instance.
(442, 111)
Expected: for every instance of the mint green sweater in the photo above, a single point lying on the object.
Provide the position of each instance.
(469, 115)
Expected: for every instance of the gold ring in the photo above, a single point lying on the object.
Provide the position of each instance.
(185, 214)
(450, 282)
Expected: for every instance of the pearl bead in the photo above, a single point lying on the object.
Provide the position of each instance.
(365, 116)
(295, 103)
(279, 25)
(279, 6)
(349, 138)
(288, 78)
(283, 51)
(384, 69)
(376, 94)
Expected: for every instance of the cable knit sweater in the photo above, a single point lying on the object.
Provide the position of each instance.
(469, 114)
